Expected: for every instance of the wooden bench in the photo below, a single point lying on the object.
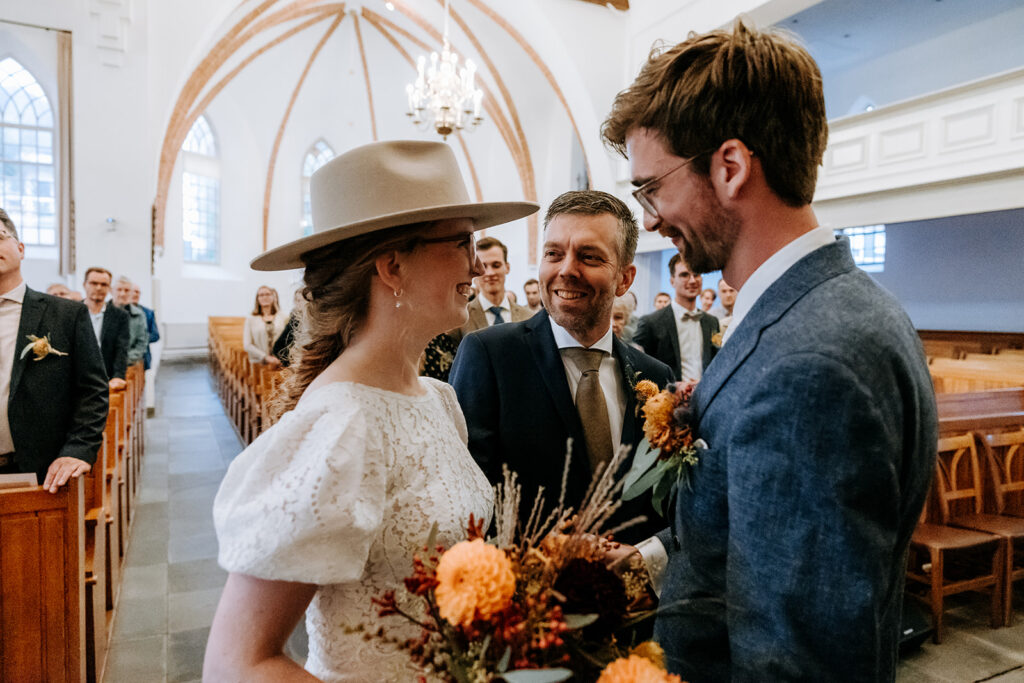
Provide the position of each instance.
(980, 411)
(42, 584)
(955, 376)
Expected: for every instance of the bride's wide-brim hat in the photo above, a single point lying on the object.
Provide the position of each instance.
(385, 185)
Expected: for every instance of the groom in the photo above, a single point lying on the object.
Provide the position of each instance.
(818, 410)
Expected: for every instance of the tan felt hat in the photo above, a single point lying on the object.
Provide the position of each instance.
(386, 185)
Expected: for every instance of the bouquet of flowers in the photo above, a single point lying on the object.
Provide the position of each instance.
(669, 450)
(535, 604)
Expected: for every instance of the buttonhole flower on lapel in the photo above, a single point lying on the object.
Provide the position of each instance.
(669, 450)
(41, 347)
(716, 339)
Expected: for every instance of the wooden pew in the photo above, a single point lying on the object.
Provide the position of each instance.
(953, 376)
(95, 567)
(42, 585)
(113, 498)
(980, 411)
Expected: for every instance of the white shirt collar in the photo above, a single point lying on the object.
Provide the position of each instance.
(564, 340)
(772, 269)
(487, 303)
(680, 310)
(17, 294)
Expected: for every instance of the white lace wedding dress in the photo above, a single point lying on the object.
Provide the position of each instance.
(341, 493)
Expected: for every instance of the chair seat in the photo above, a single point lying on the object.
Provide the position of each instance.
(1008, 527)
(947, 537)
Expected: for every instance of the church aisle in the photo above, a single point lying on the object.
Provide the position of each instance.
(172, 582)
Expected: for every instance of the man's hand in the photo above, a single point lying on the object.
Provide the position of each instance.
(117, 384)
(63, 469)
(620, 558)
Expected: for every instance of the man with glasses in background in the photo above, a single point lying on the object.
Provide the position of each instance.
(53, 389)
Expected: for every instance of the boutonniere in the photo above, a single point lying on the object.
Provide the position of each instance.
(41, 347)
(669, 450)
(716, 340)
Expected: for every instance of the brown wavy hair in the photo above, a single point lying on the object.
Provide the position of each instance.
(761, 87)
(335, 303)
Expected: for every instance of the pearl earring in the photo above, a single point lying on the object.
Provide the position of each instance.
(398, 294)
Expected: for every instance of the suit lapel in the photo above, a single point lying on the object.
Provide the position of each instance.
(549, 363)
(32, 308)
(477, 319)
(629, 380)
(817, 267)
(705, 333)
(670, 330)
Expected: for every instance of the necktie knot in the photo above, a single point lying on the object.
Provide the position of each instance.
(691, 315)
(585, 360)
(496, 310)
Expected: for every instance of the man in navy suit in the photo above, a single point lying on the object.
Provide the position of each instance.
(53, 399)
(818, 411)
(680, 335)
(523, 386)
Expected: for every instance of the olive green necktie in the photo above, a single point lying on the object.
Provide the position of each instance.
(590, 404)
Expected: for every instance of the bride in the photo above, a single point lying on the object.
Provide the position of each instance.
(326, 509)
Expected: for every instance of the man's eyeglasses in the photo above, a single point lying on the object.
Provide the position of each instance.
(644, 195)
(462, 240)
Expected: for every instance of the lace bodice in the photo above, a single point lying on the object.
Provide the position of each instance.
(341, 493)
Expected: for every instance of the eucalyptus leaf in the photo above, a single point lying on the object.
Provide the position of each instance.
(537, 675)
(575, 621)
(660, 495)
(642, 485)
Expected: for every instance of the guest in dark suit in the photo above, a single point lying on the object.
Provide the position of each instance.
(110, 323)
(680, 334)
(517, 382)
(818, 411)
(53, 392)
(152, 329)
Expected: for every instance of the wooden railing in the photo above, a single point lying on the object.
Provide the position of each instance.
(245, 388)
(61, 556)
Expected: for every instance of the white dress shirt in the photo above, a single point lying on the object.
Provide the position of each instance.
(506, 309)
(97, 323)
(608, 375)
(10, 320)
(757, 284)
(772, 269)
(691, 341)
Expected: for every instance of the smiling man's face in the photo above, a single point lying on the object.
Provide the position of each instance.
(580, 274)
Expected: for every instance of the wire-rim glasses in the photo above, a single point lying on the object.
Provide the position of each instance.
(644, 195)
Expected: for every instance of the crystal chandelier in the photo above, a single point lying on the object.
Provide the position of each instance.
(444, 92)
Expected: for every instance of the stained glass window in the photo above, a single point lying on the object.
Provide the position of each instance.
(28, 188)
(318, 155)
(200, 188)
(867, 243)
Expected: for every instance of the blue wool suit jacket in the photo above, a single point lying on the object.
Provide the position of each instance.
(511, 385)
(820, 419)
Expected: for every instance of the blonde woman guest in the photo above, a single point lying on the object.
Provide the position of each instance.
(263, 326)
(327, 508)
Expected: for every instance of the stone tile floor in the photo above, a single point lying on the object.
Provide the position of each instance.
(172, 582)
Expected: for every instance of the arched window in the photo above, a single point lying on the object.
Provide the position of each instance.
(28, 188)
(200, 188)
(867, 243)
(318, 155)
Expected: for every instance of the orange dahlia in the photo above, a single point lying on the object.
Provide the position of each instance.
(474, 581)
(650, 650)
(635, 669)
(645, 389)
(658, 419)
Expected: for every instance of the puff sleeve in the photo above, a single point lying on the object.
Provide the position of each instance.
(306, 500)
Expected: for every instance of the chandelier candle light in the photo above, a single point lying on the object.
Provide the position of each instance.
(445, 91)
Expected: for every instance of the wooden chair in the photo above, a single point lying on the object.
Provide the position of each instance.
(961, 505)
(42, 592)
(945, 560)
(1005, 455)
